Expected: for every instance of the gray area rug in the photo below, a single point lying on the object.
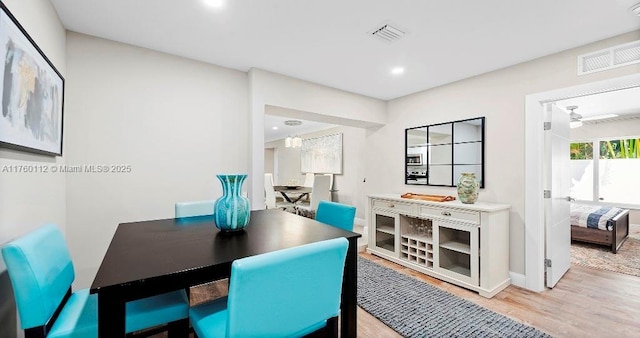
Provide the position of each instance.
(416, 309)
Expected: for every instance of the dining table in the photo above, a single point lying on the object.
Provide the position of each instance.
(289, 192)
(152, 257)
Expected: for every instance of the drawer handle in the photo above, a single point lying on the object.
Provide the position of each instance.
(391, 205)
(446, 213)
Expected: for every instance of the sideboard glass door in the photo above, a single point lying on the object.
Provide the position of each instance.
(457, 255)
(384, 230)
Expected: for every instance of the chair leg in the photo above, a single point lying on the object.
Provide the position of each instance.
(329, 331)
(179, 328)
(187, 291)
(332, 327)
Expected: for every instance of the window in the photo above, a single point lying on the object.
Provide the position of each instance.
(582, 171)
(582, 151)
(617, 169)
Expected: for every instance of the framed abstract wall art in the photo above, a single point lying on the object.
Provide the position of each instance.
(322, 155)
(32, 92)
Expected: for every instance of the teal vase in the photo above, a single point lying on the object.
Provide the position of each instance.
(468, 188)
(231, 211)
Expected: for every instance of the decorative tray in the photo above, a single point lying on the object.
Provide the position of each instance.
(424, 197)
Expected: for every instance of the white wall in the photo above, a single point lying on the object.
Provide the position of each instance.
(349, 184)
(288, 163)
(269, 154)
(29, 200)
(176, 122)
(500, 96)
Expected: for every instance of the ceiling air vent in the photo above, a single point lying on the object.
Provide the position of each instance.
(627, 54)
(605, 59)
(387, 33)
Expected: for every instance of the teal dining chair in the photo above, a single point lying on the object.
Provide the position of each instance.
(188, 212)
(336, 214)
(286, 293)
(194, 208)
(41, 273)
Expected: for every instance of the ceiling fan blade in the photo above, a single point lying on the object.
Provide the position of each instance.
(598, 117)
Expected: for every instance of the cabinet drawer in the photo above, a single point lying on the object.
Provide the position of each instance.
(391, 205)
(453, 214)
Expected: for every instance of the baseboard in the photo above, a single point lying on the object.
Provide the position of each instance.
(518, 279)
(490, 293)
(362, 242)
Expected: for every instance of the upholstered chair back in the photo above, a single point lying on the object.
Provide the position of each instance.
(336, 214)
(41, 273)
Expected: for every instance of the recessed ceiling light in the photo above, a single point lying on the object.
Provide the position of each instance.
(397, 70)
(274, 128)
(214, 3)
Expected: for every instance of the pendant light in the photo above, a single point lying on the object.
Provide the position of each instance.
(294, 141)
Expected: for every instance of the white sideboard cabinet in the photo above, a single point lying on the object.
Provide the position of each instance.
(464, 244)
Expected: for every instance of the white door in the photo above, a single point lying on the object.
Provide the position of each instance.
(557, 214)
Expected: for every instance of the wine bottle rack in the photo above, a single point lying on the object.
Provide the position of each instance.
(417, 249)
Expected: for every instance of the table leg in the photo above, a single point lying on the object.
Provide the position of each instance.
(285, 196)
(303, 195)
(348, 322)
(111, 315)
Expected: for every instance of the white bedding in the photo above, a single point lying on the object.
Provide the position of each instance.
(593, 216)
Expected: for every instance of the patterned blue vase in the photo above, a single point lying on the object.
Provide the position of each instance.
(232, 209)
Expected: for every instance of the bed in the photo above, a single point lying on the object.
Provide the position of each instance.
(599, 225)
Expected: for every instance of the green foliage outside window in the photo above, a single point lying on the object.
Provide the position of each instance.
(618, 149)
(611, 149)
(581, 151)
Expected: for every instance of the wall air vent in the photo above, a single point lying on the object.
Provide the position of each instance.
(605, 59)
(388, 33)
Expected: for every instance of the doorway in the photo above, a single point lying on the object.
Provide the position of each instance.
(282, 153)
(535, 167)
(346, 186)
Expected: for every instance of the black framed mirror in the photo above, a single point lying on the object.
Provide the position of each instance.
(437, 154)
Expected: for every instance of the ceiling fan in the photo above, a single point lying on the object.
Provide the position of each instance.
(575, 119)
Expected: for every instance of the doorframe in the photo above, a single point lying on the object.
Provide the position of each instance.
(534, 183)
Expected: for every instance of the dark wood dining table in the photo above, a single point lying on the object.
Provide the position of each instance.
(153, 257)
(288, 191)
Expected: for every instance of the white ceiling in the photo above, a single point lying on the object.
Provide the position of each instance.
(283, 130)
(327, 42)
(619, 102)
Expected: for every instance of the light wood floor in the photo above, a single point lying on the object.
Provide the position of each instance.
(585, 303)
